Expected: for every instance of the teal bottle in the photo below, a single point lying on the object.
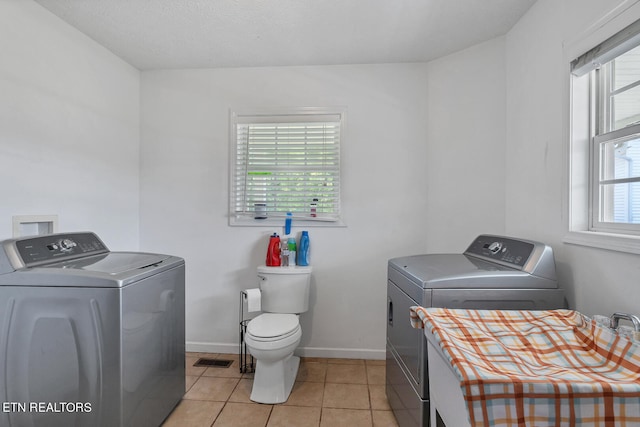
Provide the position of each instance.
(291, 245)
(303, 249)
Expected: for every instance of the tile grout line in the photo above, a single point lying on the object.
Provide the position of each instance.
(366, 373)
(322, 400)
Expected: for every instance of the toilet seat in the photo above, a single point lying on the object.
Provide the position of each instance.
(273, 326)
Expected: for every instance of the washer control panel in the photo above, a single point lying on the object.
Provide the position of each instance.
(56, 247)
(510, 252)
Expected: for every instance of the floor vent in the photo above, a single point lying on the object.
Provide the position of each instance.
(213, 363)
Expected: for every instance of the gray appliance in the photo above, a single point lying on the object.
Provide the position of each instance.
(89, 337)
(494, 272)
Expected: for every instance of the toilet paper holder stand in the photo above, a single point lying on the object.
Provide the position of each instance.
(247, 364)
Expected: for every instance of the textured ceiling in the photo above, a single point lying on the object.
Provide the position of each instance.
(159, 34)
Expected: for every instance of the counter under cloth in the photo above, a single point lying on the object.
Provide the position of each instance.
(537, 368)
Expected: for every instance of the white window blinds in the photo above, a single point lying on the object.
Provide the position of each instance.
(287, 163)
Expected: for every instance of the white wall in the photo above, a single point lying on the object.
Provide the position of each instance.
(598, 281)
(69, 140)
(69, 128)
(466, 146)
(69, 134)
(184, 194)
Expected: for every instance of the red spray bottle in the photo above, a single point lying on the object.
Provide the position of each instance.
(273, 251)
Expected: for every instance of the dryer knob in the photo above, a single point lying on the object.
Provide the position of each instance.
(495, 247)
(67, 244)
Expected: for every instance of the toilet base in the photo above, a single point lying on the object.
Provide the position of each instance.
(273, 381)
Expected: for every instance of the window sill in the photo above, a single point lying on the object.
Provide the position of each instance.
(608, 241)
(279, 222)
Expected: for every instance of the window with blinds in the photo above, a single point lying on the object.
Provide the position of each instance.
(285, 163)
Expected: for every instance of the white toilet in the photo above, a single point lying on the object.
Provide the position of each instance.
(273, 335)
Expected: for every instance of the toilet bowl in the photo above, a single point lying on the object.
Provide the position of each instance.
(272, 338)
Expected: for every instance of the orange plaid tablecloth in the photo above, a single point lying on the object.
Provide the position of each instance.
(538, 368)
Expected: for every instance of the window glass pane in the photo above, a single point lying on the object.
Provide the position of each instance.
(620, 159)
(624, 74)
(621, 203)
(626, 69)
(626, 107)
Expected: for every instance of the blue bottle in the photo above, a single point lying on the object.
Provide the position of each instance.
(303, 249)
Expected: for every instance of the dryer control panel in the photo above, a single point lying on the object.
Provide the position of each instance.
(38, 250)
(531, 257)
(514, 253)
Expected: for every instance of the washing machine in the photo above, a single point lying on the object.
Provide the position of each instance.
(89, 337)
(495, 272)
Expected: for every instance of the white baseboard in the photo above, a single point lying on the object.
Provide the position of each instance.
(332, 353)
(341, 353)
(210, 347)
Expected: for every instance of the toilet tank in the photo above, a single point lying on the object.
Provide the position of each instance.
(284, 289)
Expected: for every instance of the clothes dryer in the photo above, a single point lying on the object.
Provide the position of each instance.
(495, 272)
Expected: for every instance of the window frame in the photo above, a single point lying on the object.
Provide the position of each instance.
(601, 112)
(281, 115)
(579, 127)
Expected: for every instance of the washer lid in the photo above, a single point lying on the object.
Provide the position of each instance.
(111, 263)
(111, 270)
(76, 260)
(271, 325)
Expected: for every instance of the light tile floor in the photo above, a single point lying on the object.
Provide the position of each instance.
(327, 393)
